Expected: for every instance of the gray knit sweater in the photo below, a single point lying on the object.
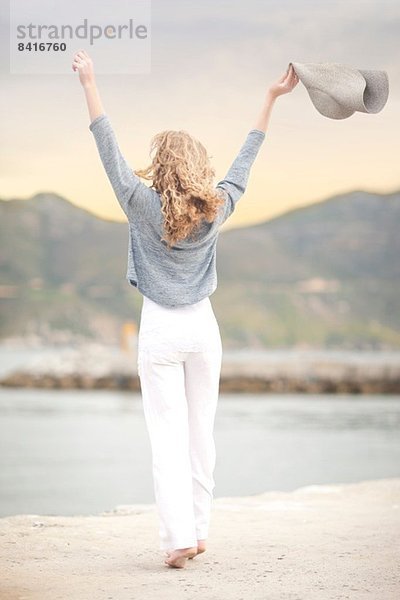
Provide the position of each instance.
(186, 273)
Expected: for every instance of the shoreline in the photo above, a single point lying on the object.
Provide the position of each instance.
(97, 366)
(237, 385)
(318, 541)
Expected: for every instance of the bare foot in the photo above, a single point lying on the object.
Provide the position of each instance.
(201, 547)
(177, 558)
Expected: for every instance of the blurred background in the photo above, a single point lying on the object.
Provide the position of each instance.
(308, 293)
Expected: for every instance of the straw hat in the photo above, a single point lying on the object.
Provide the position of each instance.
(337, 90)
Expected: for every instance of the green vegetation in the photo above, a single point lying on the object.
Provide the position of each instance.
(325, 275)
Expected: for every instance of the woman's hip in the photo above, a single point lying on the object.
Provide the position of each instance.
(184, 337)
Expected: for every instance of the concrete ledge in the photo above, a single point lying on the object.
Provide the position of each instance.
(317, 542)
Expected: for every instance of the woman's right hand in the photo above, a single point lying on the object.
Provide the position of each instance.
(285, 84)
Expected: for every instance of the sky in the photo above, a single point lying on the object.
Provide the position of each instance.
(211, 65)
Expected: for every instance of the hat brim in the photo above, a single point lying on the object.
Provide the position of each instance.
(338, 90)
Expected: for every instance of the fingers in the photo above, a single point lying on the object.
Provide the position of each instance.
(294, 73)
(293, 77)
(289, 77)
(283, 77)
(78, 64)
(288, 74)
(78, 60)
(82, 56)
(82, 63)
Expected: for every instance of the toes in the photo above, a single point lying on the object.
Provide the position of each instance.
(175, 565)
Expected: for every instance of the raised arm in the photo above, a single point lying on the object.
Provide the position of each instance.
(285, 84)
(84, 65)
(129, 190)
(235, 181)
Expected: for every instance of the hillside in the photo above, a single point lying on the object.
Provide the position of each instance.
(323, 275)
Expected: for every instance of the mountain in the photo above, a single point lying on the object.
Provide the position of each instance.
(327, 274)
(322, 275)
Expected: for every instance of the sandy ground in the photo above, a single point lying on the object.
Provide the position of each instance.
(322, 542)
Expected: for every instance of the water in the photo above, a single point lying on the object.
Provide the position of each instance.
(81, 452)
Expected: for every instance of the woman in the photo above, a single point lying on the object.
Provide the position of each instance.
(173, 231)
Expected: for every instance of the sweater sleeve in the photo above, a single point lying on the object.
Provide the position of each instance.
(235, 182)
(128, 188)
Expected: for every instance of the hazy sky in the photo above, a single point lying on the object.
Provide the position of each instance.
(211, 66)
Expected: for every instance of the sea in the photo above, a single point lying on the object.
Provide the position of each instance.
(81, 452)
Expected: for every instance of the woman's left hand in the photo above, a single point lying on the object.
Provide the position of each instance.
(84, 65)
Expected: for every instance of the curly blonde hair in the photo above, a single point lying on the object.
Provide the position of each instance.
(182, 174)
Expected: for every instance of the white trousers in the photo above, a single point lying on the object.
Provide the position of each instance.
(179, 365)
